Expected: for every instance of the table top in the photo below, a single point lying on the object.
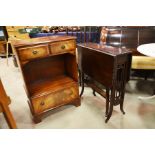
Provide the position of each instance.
(35, 41)
(147, 49)
(114, 51)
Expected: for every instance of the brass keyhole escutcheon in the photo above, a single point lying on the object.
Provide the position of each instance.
(35, 52)
(42, 103)
(63, 47)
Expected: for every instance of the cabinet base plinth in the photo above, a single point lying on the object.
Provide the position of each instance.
(77, 103)
(36, 119)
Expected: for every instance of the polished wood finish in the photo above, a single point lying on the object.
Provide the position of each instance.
(131, 37)
(107, 66)
(58, 91)
(33, 52)
(41, 40)
(49, 69)
(4, 102)
(63, 47)
(128, 36)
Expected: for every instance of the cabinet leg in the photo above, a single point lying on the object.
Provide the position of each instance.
(77, 103)
(37, 119)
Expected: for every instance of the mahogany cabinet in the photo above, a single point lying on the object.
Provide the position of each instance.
(49, 69)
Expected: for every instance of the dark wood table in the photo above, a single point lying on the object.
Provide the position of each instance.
(106, 67)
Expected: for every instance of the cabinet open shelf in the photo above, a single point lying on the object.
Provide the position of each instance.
(50, 85)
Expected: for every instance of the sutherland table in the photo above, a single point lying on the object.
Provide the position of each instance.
(105, 66)
(49, 69)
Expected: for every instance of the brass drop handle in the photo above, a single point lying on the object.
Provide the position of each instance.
(42, 103)
(63, 47)
(35, 52)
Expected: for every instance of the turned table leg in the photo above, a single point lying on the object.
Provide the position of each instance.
(107, 102)
(121, 104)
(112, 98)
(82, 83)
(94, 92)
(110, 113)
(79, 76)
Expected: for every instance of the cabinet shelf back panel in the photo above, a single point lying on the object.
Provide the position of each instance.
(64, 64)
(52, 66)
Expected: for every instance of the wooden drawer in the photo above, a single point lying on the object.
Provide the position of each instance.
(64, 46)
(33, 52)
(55, 99)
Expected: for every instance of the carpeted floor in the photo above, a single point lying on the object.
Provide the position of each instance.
(139, 114)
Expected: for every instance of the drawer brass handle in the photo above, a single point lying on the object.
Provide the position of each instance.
(63, 47)
(35, 52)
(42, 103)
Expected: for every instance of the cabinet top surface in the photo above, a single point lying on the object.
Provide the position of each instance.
(114, 51)
(40, 40)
